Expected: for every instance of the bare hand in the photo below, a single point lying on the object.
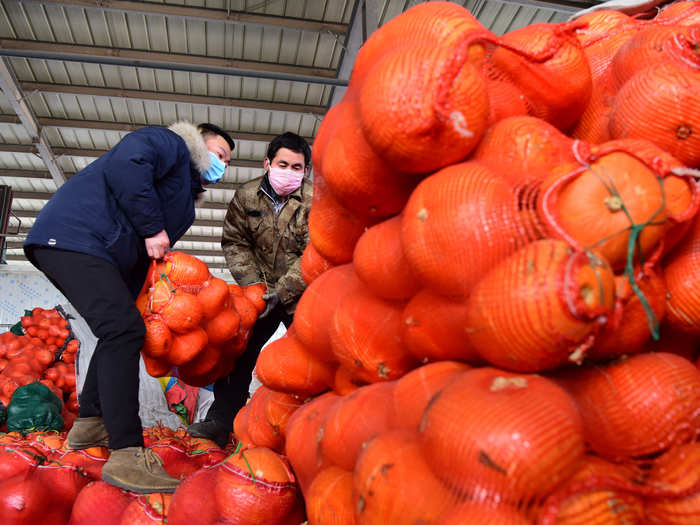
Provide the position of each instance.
(157, 245)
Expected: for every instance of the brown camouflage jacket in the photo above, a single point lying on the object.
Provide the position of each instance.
(262, 246)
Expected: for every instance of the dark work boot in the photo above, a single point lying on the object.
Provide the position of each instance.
(87, 432)
(210, 429)
(138, 469)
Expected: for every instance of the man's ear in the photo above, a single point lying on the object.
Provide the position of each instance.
(266, 164)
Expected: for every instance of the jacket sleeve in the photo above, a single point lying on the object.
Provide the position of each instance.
(238, 246)
(134, 166)
(291, 285)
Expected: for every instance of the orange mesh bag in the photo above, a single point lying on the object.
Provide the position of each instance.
(684, 13)
(254, 487)
(213, 296)
(432, 24)
(506, 99)
(682, 271)
(496, 436)
(433, 329)
(675, 341)
(547, 63)
(191, 501)
(434, 117)
(540, 308)
(605, 33)
(483, 513)
(359, 180)
(313, 316)
(345, 382)
(458, 223)
(638, 406)
(313, 264)
(184, 271)
(352, 421)
(592, 505)
(325, 131)
(204, 363)
(523, 149)
(302, 443)
(656, 45)
(602, 33)
(158, 337)
(284, 365)
(394, 483)
(631, 325)
(594, 122)
(333, 230)
(365, 337)
(329, 499)
(414, 391)
(661, 104)
(678, 469)
(380, 263)
(261, 433)
(147, 509)
(610, 201)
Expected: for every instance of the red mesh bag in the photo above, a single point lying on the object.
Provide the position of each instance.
(380, 263)
(313, 316)
(434, 117)
(433, 329)
(430, 24)
(661, 104)
(503, 437)
(366, 337)
(682, 270)
(595, 203)
(653, 46)
(333, 230)
(359, 180)
(313, 264)
(540, 308)
(631, 324)
(638, 406)
(457, 224)
(523, 149)
(548, 64)
(685, 13)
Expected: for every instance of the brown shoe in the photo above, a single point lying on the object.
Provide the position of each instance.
(138, 469)
(87, 432)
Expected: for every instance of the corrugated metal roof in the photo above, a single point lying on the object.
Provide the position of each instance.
(91, 73)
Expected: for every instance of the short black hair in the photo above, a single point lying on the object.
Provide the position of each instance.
(291, 141)
(212, 128)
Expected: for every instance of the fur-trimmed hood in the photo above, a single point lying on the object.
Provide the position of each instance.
(199, 154)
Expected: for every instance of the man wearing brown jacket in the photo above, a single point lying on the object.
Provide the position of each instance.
(265, 233)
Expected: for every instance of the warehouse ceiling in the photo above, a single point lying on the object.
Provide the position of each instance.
(77, 75)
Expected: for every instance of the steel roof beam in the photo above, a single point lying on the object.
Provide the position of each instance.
(124, 126)
(164, 96)
(25, 115)
(563, 6)
(201, 13)
(169, 61)
(84, 152)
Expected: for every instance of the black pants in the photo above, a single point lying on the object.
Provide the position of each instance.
(98, 291)
(231, 393)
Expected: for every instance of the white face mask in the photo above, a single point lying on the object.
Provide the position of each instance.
(284, 182)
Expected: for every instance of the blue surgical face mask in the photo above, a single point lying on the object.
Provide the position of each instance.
(216, 170)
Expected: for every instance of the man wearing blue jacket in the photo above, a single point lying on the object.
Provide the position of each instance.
(94, 240)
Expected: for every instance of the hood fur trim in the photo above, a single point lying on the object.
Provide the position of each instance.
(199, 154)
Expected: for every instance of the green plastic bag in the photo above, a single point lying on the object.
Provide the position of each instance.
(34, 407)
(2, 413)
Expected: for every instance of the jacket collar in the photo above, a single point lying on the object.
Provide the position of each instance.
(199, 154)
